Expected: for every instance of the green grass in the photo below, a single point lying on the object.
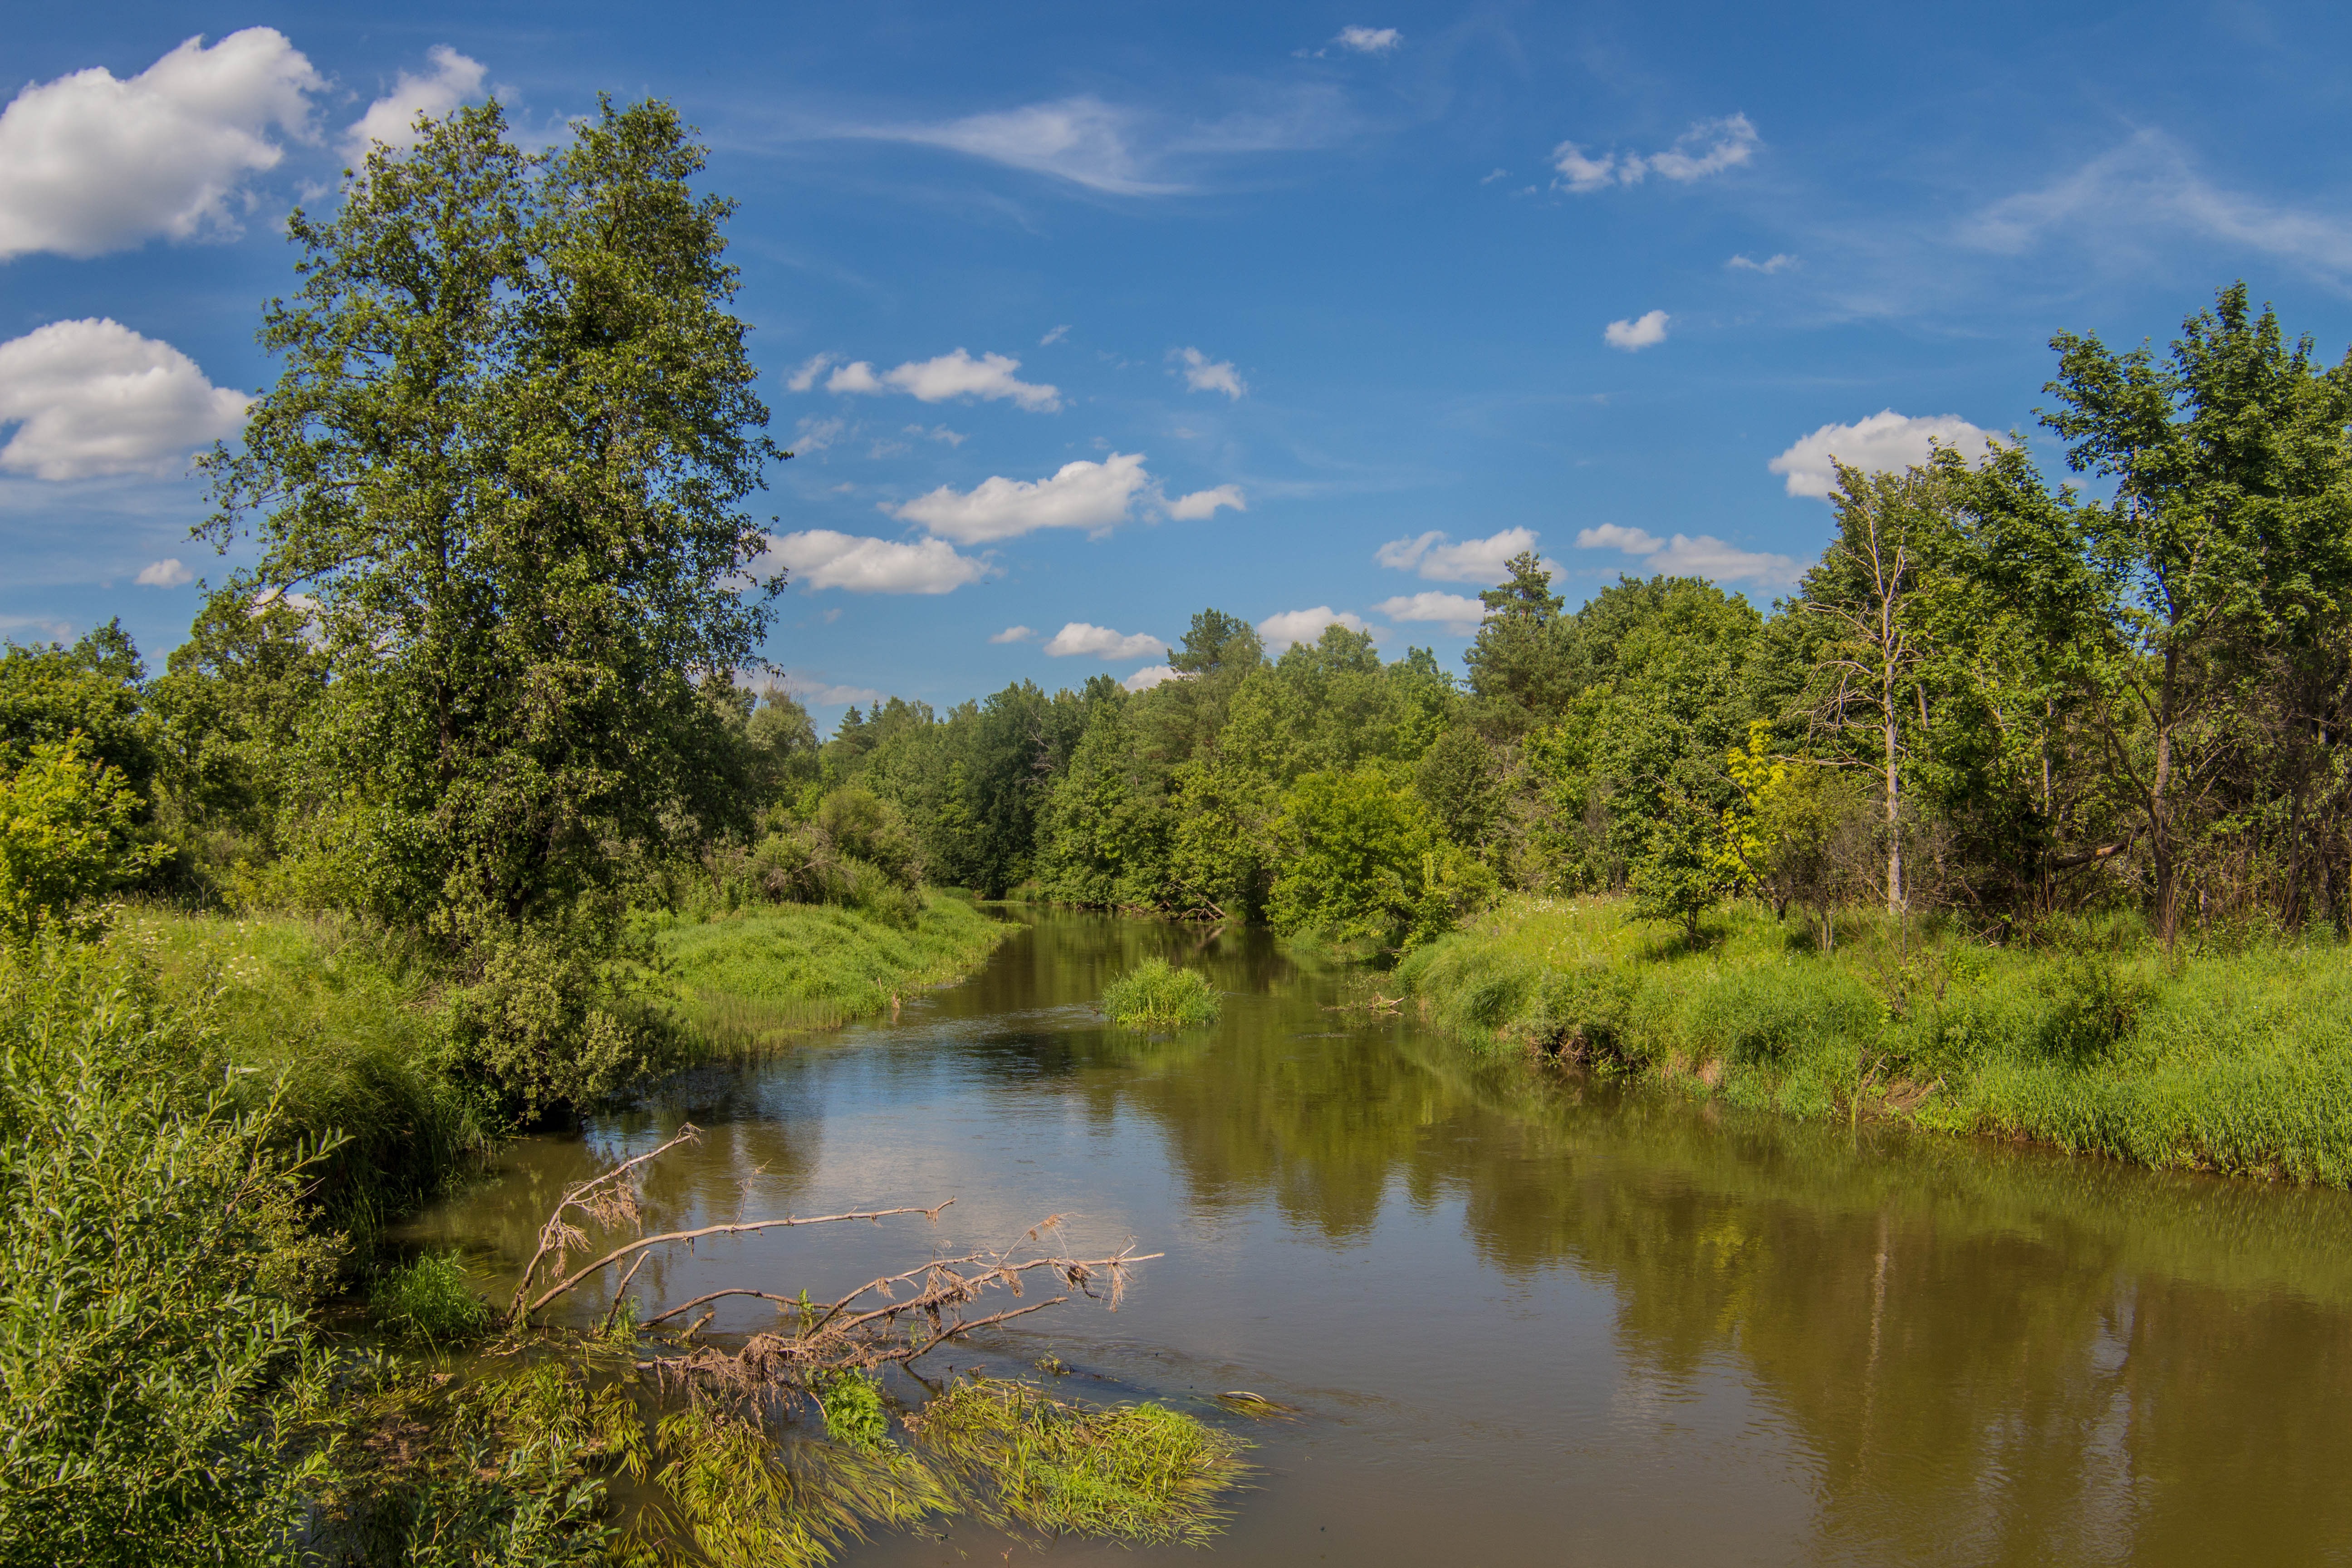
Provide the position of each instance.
(1156, 995)
(2229, 1058)
(430, 1301)
(770, 971)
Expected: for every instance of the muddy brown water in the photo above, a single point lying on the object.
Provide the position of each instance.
(1523, 1318)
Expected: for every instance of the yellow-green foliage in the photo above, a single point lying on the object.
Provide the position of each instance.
(762, 975)
(430, 1300)
(1156, 995)
(1138, 1473)
(64, 834)
(748, 1502)
(2236, 1060)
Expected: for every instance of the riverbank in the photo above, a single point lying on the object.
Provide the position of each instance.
(2236, 1061)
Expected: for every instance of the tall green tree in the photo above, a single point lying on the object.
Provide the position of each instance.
(507, 456)
(2229, 530)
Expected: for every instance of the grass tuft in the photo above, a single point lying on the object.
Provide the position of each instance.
(430, 1301)
(1156, 995)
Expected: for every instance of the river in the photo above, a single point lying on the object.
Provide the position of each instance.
(1523, 1317)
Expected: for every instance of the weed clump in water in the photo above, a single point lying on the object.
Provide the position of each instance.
(1156, 994)
(429, 1301)
(1138, 1473)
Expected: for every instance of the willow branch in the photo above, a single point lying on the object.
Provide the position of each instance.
(551, 1235)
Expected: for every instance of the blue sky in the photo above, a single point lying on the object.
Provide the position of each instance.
(1083, 317)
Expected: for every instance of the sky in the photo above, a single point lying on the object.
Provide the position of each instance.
(1079, 319)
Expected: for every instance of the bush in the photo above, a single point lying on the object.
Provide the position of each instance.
(64, 834)
(154, 1271)
(1155, 994)
(542, 1024)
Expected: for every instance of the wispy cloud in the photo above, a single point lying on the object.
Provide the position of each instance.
(1369, 40)
(1771, 264)
(1439, 559)
(2148, 187)
(1015, 634)
(1055, 336)
(1202, 373)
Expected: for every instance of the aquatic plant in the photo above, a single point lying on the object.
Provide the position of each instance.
(1155, 994)
(429, 1301)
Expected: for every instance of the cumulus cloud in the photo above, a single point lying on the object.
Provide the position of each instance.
(1101, 642)
(169, 573)
(821, 558)
(1708, 147)
(1771, 264)
(1688, 556)
(1886, 442)
(1369, 40)
(392, 119)
(1641, 332)
(804, 374)
(1278, 632)
(1080, 494)
(1202, 373)
(1458, 613)
(956, 375)
(1015, 634)
(93, 397)
(1204, 503)
(1439, 560)
(89, 165)
(1150, 676)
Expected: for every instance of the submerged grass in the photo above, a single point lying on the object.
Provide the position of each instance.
(1156, 995)
(1142, 1474)
(2233, 1059)
(765, 974)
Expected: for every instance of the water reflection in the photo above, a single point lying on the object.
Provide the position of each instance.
(1537, 1316)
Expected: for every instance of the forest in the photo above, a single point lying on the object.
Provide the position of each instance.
(455, 797)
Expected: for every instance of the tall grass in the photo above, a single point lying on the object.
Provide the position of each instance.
(2235, 1059)
(1156, 995)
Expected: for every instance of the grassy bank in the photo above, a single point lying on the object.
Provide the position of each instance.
(2235, 1060)
(759, 976)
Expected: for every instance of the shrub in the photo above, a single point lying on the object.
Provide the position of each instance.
(64, 834)
(1155, 994)
(154, 1270)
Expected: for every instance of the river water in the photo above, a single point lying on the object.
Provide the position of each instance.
(1522, 1317)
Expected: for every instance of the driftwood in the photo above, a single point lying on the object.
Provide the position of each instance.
(873, 1325)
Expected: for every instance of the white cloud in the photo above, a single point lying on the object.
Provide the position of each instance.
(1055, 336)
(1886, 442)
(92, 397)
(1204, 503)
(826, 693)
(1101, 642)
(1079, 495)
(804, 375)
(392, 119)
(1369, 40)
(956, 375)
(1776, 263)
(1015, 634)
(170, 573)
(1202, 373)
(1708, 147)
(1641, 332)
(2148, 186)
(821, 558)
(1498, 175)
(1472, 561)
(1458, 613)
(89, 165)
(1150, 676)
(1081, 140)
(816, 435)
(941, 433)
(1686, 556)
(1614, 536)
(1278, 632)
